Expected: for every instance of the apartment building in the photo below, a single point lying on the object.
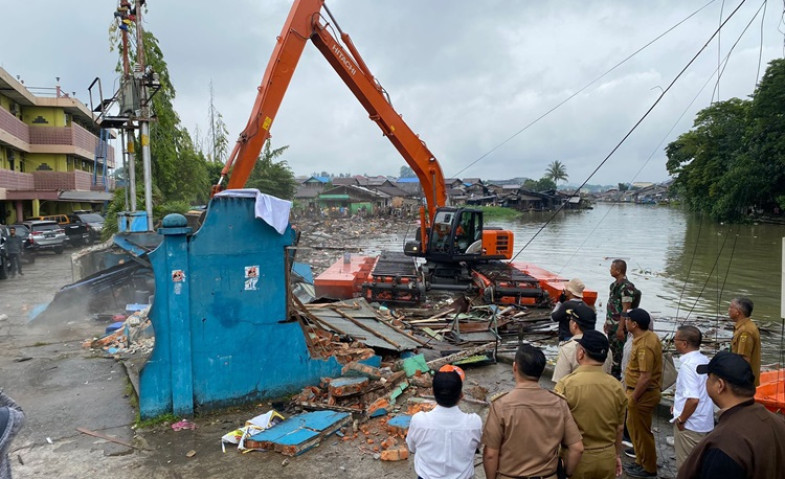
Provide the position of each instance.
(51, 156)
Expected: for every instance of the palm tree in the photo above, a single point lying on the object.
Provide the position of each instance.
(556, 171)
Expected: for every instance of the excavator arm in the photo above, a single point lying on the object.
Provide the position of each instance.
(306, 22)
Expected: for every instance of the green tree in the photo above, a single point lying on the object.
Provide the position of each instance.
(406, 172)
(624, 186)
(734, 157)
(273, 177)
(219, 133)
(545, 184)
(179, 170)
(765, 168)
(702, 157)
(557, 172)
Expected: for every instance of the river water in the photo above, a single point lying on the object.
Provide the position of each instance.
(687, 266)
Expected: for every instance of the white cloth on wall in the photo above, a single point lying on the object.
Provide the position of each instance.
(273, 211)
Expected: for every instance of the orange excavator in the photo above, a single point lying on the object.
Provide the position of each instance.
(461, 253)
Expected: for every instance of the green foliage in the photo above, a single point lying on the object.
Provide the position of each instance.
(406, 172)
(543, 184)
(273, 177)
(624, 186)
(499, 213)
(168, 418)
(179, 171)
(734, 157)
(557, 172)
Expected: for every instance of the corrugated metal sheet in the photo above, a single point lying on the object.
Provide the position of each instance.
(386, 336)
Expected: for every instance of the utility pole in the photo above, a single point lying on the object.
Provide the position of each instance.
(144, 117)
(129, 162)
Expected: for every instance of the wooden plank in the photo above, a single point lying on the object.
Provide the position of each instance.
(317, 406)
(438, 363)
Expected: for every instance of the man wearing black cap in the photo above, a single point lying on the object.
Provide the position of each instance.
(749, 441)
(11, 420)
(581, 318)
(445, 439)
(571, 298)
(642, 378)
(598, 405)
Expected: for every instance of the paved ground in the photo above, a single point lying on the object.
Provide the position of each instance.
(63, 387)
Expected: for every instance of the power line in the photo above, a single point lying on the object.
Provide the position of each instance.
(637, 123)
(723, 65)
(592, 82)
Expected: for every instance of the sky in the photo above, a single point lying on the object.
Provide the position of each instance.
(467, 76)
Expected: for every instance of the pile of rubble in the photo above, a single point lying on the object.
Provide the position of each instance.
(370, 405)
(126, 335)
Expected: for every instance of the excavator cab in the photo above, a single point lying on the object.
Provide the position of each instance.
(457, 234)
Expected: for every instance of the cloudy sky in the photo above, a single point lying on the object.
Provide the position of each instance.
(465, 75)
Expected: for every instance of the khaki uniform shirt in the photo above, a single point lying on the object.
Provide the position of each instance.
(567, 360)
(527, 426)
(746, 341)
(597, 402)
(646, 356)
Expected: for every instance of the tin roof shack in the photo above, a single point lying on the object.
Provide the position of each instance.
(530, 200)
(309, 189)
(353, 199)
(222, 334)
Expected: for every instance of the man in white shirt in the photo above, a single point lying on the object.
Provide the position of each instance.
(445, 439)
(693, 411)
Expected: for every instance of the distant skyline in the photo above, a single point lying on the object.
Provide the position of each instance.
(465, 77)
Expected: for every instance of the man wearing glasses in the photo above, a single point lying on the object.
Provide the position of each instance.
(693, 413)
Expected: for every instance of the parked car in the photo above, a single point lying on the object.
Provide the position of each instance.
(46, 235)
(94, 221)
(77, 232)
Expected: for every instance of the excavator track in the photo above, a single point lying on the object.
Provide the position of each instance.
(503, 283)
(394, 279)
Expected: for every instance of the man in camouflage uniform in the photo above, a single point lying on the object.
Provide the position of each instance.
(619, 302)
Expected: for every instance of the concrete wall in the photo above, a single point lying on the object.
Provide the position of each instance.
(222, 335)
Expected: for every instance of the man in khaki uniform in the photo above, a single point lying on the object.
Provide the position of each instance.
(643, 378)
(598, 405)
(580, 319)
(746, 337)
(527, 426)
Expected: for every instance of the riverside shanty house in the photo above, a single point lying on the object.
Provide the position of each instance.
(528, 200)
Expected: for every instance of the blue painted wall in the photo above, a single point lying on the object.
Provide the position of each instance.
(220, 340)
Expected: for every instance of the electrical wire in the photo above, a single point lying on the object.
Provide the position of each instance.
(592, 82)
(637, 123)
(760, 50)
(640, 170)
(749, 24)
(719, 54)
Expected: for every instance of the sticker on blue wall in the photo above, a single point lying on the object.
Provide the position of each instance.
(251, 277)
(178, 277)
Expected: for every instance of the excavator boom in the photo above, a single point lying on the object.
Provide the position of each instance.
(306, 22)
